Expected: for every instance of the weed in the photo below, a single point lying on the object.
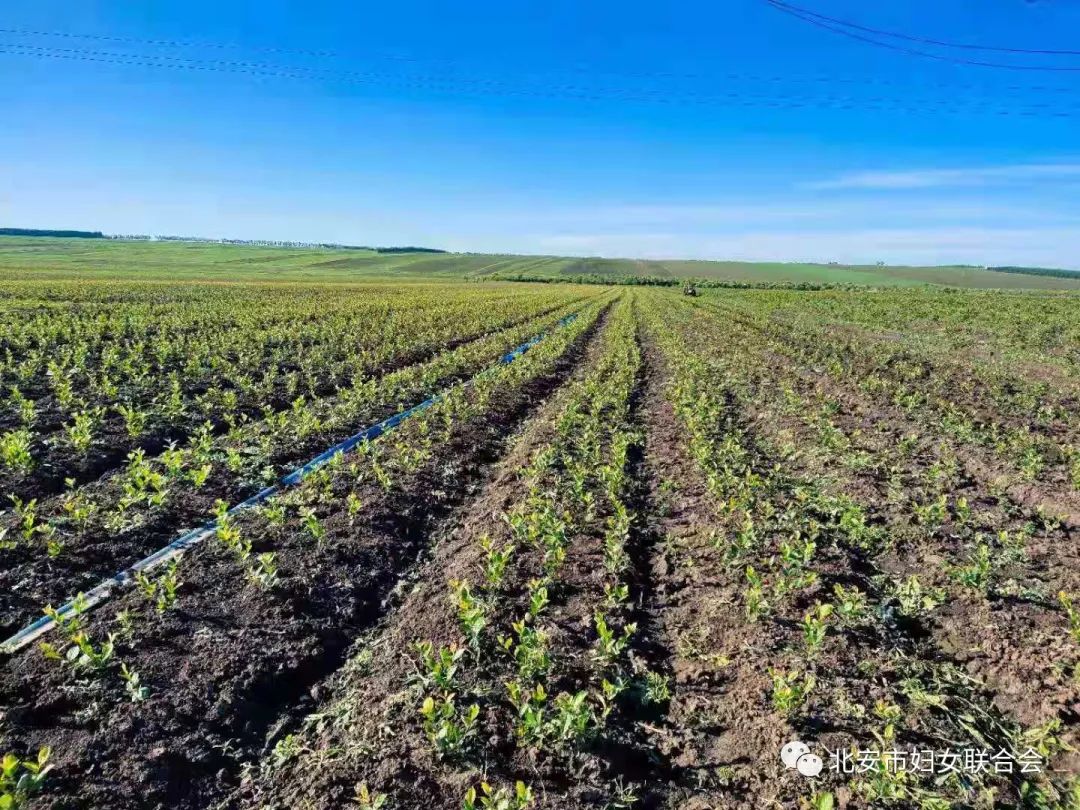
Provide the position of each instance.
(656, 689)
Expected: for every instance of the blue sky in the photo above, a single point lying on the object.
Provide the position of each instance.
(697, 130)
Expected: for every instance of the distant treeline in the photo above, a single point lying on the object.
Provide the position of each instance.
(667, 281)
(62, 234)
(1037, 271)
(407, 250)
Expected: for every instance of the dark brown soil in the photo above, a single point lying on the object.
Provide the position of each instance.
(29, 579)
(229, 664)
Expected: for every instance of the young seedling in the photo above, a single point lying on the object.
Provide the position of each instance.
(850, 606)
(754, 598)
(263, 570)
(496, 561)
(606, 697)
(978, 572)
(448, 728)
(1072, 613)
(538, 598)
(26, 512)
(574, 721)
(489, 798)
(312, 525)
(532, 726)
(609, 645)
(530, 652)
(83, 655)
(914, 599)
(814, 626)
(790, 690)
(162, 592)
(437, 667)
(133, 684)
(368, 799)
(126, 622)
(890, 715)
(819, 801)
(472, 613)
(353, 505)
(22, 778)
(15, 451)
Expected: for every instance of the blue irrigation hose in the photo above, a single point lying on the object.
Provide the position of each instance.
(103, 590)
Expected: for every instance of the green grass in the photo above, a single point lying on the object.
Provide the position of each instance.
(37, 257)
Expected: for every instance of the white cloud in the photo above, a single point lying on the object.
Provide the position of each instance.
(942, 178)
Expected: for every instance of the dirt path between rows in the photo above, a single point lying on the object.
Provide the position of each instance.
(228, 667)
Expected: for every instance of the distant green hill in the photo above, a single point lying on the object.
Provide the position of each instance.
(32, 257)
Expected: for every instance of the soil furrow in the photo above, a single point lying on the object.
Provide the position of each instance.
(225, 664)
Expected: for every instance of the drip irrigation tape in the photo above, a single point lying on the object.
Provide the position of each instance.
(101, 592)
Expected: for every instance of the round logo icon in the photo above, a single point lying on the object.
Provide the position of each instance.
(809, 765)
(791, 752)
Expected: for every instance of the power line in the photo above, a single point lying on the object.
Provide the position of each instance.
(920, 39)
(661, 75)
(168, 43)
(912, 51)
(488, 87)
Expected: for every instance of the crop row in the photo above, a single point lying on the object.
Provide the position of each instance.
(86, 382)
(1029, 427)
(58, 545)
(840, 632)
(512, 665)
(165, 694)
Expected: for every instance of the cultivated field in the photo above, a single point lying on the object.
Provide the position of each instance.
(621, 567)
(39, 258)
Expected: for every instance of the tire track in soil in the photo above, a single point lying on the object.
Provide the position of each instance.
(87, 559)
(248, 662)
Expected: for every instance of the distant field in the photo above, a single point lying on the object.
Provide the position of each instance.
(22, 257)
